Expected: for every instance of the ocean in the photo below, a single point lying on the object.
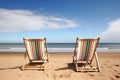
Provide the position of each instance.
(59, 47)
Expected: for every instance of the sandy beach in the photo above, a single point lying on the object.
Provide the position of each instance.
(60, 67)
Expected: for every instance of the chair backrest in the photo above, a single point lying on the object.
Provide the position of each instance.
(35, 48)
(86, 48)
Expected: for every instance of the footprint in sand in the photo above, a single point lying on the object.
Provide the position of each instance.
(117, 76)
(54, 76)
(117, 65)
(65, 75)
(92, 75)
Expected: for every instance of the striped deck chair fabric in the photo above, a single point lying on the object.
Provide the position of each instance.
(85, 50)
(36, 49)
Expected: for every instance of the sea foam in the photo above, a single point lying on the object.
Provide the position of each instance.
(57, 50)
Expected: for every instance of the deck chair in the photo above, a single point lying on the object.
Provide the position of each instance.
(36, 54)
(84, 53)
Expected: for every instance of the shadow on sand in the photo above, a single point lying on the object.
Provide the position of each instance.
(70, 66)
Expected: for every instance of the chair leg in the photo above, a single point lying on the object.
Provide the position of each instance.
(91, 65)
(72, 60)
(24, 62)
(76, 66)
(99, 70)
(98, 65)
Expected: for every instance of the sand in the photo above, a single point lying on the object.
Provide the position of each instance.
(60, 67)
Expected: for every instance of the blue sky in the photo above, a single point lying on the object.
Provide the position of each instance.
(59, 20)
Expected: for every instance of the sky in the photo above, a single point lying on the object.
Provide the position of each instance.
(60, 21)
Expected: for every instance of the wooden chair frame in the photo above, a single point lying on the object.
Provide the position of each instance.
(34, 64)
(84, 63)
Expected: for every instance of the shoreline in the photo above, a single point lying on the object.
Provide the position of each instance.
(101, 55)
(58, 49)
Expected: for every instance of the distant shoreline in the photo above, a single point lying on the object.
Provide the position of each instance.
(59, 47)
(58, 50)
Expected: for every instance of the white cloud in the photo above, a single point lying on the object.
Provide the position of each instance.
(25, 20)
(112, 34)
